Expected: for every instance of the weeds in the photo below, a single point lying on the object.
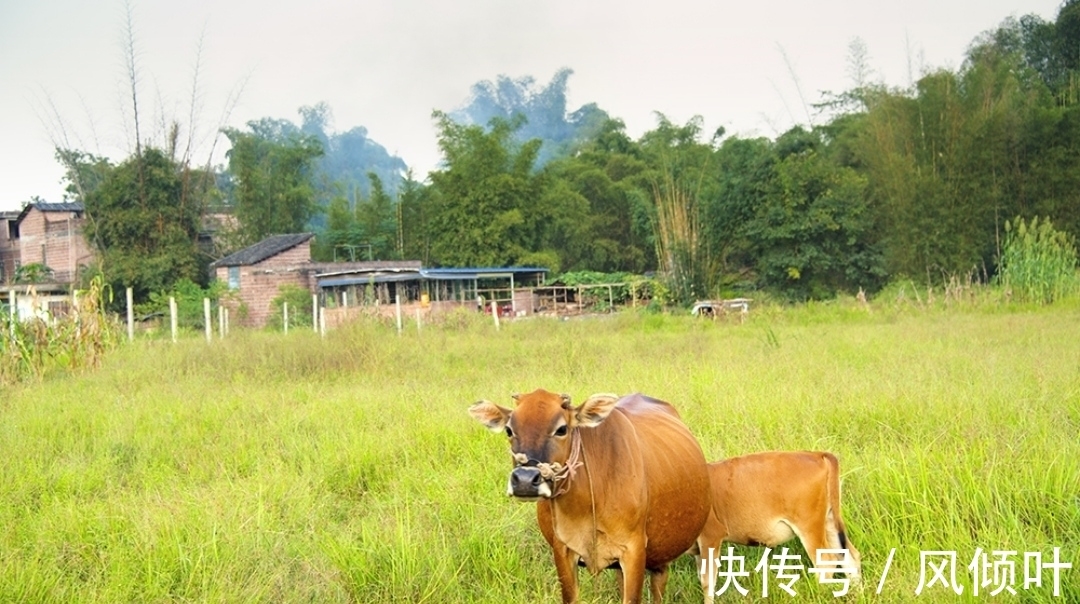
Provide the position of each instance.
(31, 346)
(1038, 262)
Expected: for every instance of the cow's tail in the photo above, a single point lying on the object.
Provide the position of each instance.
(833, 486)
(833, 482)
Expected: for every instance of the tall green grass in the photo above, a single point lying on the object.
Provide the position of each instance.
(290, 468)
(1038, 262)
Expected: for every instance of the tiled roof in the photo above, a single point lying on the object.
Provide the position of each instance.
(72, 206)
(271, 246)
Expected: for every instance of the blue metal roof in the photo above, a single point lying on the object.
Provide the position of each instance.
(434, 274)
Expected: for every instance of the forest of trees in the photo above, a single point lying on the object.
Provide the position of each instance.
(913, 183)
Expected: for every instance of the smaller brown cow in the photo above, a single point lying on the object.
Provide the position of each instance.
(770, 498)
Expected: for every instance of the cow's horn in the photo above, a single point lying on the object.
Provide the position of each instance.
(565, 400)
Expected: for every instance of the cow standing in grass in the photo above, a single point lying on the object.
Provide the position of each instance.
(771, 498)
(619, 483)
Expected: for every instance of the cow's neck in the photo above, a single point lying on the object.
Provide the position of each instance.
(576, 513)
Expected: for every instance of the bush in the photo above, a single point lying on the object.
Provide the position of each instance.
(644, 290)
(299, 300)
(1038, 263)
(189, 303)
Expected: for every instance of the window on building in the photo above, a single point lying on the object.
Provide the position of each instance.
(234, 277)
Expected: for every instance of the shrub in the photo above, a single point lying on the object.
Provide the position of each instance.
(299, 300)
(189, 303)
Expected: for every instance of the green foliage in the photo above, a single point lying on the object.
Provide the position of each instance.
(83, 172)
(811, 232)
(271, 166)
(144, 220)
(1038, 263)
(484, 211)
(299, 301)
(631, 288)
(607, 214)
(35, 272)
(189, 296)
(370, 232)
(678, 186)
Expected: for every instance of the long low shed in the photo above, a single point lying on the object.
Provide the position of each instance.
(462, 285)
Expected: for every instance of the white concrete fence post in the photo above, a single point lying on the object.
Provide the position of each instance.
(206, 319)
(130, 314)
(172, 317)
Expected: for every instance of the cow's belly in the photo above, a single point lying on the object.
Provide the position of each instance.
(598, 549)
(768, 534)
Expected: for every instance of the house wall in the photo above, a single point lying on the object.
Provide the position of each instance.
(9, 250)
(54, 239)
(250, 306)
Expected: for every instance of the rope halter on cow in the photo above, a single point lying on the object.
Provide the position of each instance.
(557, 473)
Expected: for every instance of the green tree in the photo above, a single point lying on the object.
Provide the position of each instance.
(271, 167)
(681, 182)
(144, 221)
(482, 197)
(811, 232)
(377, 219)
(414, 215)
(605, 179)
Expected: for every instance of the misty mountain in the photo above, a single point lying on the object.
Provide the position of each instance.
(544, 109)
(348, 157)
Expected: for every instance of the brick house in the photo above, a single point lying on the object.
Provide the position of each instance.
(255, 274)
(49, 234)
(9, 245)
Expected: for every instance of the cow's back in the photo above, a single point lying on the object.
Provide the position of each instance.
(676, 474)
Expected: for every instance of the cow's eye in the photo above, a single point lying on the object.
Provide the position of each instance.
(509, 432)
(561, 430)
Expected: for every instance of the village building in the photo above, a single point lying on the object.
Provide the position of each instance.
(44, 239)
(345, 290)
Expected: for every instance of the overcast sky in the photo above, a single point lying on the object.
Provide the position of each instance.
(386, 64)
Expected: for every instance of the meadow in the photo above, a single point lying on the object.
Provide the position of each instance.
(293, 468)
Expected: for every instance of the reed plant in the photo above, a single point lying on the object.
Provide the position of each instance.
(1038, 263)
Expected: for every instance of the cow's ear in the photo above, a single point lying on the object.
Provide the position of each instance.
(594, 410)
(490, 414)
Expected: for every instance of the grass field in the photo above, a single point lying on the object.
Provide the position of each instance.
(271, 468)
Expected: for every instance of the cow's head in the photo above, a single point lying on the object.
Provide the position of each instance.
(542, 431)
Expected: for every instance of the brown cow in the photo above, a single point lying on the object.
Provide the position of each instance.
(618, 482)
(770, 498)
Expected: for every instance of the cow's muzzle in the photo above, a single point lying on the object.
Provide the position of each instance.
(527, 482)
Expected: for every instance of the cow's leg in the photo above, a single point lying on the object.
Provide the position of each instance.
(814, 536)
(708, 544)
(566, 565)
(657, 582)
(632, 563)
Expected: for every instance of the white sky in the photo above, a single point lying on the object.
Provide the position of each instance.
(386, 64)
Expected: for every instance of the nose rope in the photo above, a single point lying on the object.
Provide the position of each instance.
(556, 472)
